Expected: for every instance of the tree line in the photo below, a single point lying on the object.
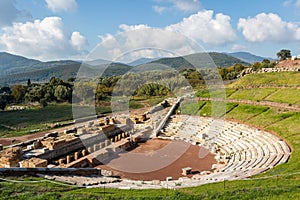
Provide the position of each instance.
(56, 90)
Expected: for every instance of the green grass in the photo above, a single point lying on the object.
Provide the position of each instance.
(268, 79)
(191, 107)
(215, 93)
(281, 187)
(216, 109)
(289, 129)
(33, 120)
(135, 104)
(286, 95)
(252, 94)
(244, 112)
(155, 100)
(269, 117)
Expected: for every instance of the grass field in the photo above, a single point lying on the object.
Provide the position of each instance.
(256, 94)
(276, 187)
(245, 112)
(291, 79)
(191, 107)
(286, 95)
(23, 122)
(216, 109)
(215, 93)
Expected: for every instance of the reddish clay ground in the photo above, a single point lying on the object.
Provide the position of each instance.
(153, 153)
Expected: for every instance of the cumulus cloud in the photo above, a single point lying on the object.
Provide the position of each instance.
(181, 5)
(203, 26)
(61, 5)
(42, 39)
(206, 27)
(143, 41)
(268, 27)
(78, 41)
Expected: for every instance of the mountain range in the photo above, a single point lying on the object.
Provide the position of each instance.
(248, 57)
(17, 69)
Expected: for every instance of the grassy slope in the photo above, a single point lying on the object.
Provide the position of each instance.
(26, 121)
(276, 79)
(253, 94)
(272, 188)
(286, 95)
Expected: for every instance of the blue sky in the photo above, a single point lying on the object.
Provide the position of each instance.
(62, 29)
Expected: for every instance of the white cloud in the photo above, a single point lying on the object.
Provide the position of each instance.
(297, 3)
(78, 41)
(181, 5)
(204, 26)
(61, 5)
(143, 41)
(126, 27)
(159, 9)
(42, 39)
(238, 47)
(268, 27)
(186, 5)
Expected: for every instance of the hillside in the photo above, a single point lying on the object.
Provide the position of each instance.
(141, 61)
(112, 69)
(17, 69)
(64, 72)
(10, 63)
(248, 57)
(289, 79)
(202, 60)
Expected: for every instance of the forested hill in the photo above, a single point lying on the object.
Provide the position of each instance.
(16, 69)
(10, 63)
(248, 57)
(202, 60)
(65, 72)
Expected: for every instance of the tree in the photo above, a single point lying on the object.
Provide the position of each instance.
(28, 82)
(55, 81)
(18, 92)
(62, 93)
(36, 93)
(257, 66)
(4, 100)
(284, 54)
(5, 90)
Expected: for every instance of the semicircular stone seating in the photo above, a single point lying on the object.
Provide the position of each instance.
(241, 151)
